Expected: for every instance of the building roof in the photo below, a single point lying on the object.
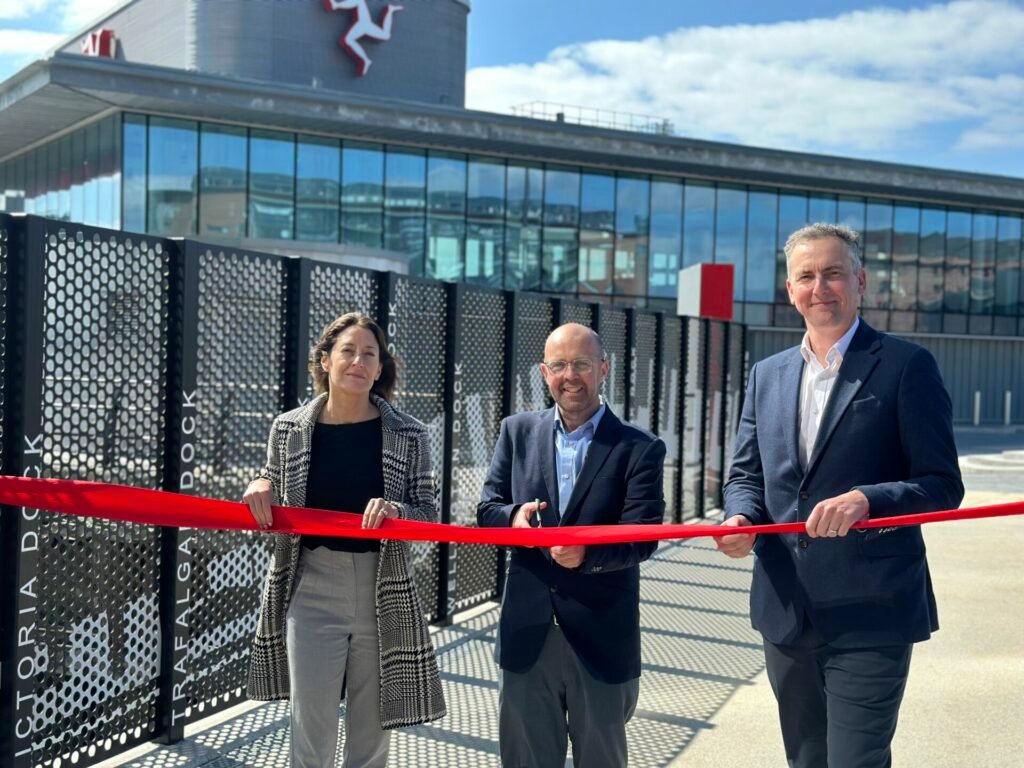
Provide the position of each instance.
(56, 94)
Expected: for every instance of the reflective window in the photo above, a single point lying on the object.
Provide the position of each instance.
(666, 237)
(485, 188)
(632, 223)
(731, 234)
(13, 188)
(561, 197)
(317, 189)
(597, 202)
(49, 156)
(173, 171)
(851, 214)
(1008, 266)
(595, 262)
(525, 193)
(522, 256)
(446, 216)
(958, 261)
(762, 238)
(822, 209)
(134, 187)
(64, 179)
(698, 224)
(109, 187)
(78, 177)
(905, 236)
(91, 174)
(877, 242)
(983, 264)
(932, 260)
(559, 259)
(362, 194)
(271, 185)
(222, 180)
(485, 230)
(793, 214)
(405, 203)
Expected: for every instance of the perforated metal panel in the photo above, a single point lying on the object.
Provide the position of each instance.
(334, 290)
(612, 322)
(573, 312)
(693, 419)
(416, 324)
(669, 422)
(642, 369)
(239, 371)
(4, 362)
(476, 420)
(534, 319)
(715, 415)
(104, 373)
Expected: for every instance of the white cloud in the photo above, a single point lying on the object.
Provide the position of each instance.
(25, 42)
(76, 14)
(21, 9)
(860, 82)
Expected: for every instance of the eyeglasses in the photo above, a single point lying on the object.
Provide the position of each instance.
(580, 366)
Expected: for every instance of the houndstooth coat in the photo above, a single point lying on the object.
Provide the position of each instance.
(410, 686)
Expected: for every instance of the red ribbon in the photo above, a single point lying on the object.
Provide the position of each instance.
(148, 507)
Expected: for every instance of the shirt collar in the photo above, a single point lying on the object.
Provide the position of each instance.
(590, 425)
(838, 350)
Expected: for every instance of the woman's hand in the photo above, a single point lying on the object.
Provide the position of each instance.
(375, 512)
(259, 496)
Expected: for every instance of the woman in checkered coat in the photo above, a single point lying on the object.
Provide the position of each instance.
(343, 614)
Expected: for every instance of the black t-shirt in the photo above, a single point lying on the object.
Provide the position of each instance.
(346, 470)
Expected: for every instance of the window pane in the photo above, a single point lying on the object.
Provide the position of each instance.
(92, 175)
(666, 237)
(173, 167)
(851, 214)
(63, 179)
(271, 185)
(446, 210)
(958, 260)
(559, 260)
(698, 224)
(78, 177)
(731, 234)
(317, 189)
(522, 257)
(932, 260)
(222, 180)
(561, 197)
(983, 264)
(405, 202)
(525, 188)
(485, 252)
(134, 202)
(597, 202)
(793, 214)
(906, 229)
(486, 188)
(50, 155)
(632, 223)
(595, 262)
(762, 217)
(362, 194)
(822, 208)
(110, 174)
(878, 256)
(1008, 266)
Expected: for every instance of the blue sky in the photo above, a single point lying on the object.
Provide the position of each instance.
(939, 84)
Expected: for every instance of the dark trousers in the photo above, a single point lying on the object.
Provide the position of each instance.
(837, 707)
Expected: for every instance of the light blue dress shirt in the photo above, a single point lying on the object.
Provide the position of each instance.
(570, 453)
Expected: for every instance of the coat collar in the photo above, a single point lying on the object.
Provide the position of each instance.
(605, 438)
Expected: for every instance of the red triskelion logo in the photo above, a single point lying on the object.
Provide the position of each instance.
(363, 26)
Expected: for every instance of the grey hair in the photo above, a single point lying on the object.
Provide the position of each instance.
(819, 231)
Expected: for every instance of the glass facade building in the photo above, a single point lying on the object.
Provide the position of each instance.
(501, 222)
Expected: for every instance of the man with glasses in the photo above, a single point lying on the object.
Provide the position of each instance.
(569, 634)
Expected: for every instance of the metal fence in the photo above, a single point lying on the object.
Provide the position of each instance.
(161, 364)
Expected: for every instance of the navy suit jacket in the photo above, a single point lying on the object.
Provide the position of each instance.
(887, 431)
(598, 604)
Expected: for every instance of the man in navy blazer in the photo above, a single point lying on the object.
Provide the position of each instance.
(569, 633)
(852, 424)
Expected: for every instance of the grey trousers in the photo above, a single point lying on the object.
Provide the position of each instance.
(558, 699)
(837, 708)
(331, 637)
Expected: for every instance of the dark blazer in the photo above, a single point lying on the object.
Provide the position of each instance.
(887, 431)
(598, 604)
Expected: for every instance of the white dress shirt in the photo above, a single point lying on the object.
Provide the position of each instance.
(816, 386)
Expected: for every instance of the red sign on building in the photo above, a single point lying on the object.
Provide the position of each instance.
(100, 43)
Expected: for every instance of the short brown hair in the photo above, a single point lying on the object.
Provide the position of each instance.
(383, 386)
